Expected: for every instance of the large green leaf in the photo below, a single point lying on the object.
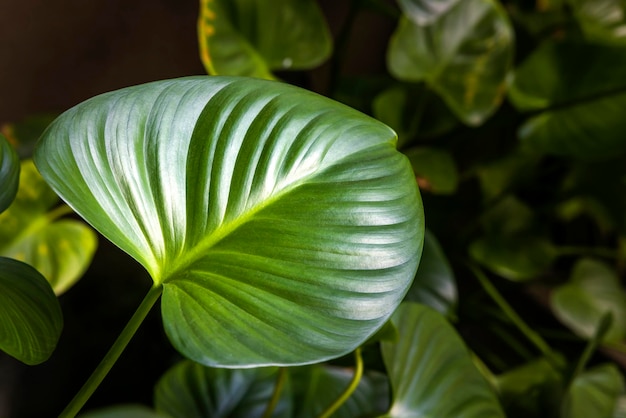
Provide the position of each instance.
(9, 173)
(253, 38)
(434, 283)
(60, 249)
(602, 20)
(593, 290)
(190, 390)
(594, 393)
(284, 227)
(30, 315)
(431, 370)
(581, 100)
(464, 55)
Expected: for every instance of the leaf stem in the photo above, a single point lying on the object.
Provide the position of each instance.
(113, 354)
(592, 345)
(280, 382)
(491, 290)
(58, 212)
(358, 373)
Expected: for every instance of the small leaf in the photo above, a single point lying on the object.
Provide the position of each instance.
(30, 315)
(191, 390)
(318, 386)
(424, 12)
(434, 284)
(9, 173)
(581, 108)
(61, 250)
(284, 227)
(593, 290)
(247, 38)
(503, 175)
(431, 370)
(595, 393)
(123, 411)
(464, 55)
(435, 170)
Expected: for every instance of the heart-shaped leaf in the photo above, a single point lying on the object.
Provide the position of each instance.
(284, 227)
(250, 38)
(594, 393)
(464, 55)
(431, 370)
(191, 390)
(593, 289)
(30, 315)
(9, 173)
(61, 250)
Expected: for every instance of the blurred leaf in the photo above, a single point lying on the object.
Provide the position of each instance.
(593, 289)
(602, 20)
(531, 390)
(434, 283)
(190, 390)
(424, 12)
(61, 250)
(464, 55)
(267, 213)
(589, 206)
(387, 332)
(24, 134)
(123, 411)
(431, 370)
(316, 387)
(504, 174)
(595, 393)
(581, 100)
(30, 314)
(248, 38)
(9, 173)
(435, 169)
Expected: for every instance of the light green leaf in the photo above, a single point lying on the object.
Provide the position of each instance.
(284, 227)
(30, 315)
(581, 101)
(316, 387)
(61, 250)
(123, 411)
(464, 55)
(431, 370)
(9, 173)
(191, 390)
(248, 38)
(595, 393)
(424, 12)
(434, 283)
(593, 289)
(435, 169)
(601, 20)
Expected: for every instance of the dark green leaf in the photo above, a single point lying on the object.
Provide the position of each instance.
(61, 250)
(284, 227)
(581, 100)
(30, 315)
(434, 283)
(595, 393)
(9, 173)
(431, 370)
(435, 169)
(190, 390)
(464, 55)
(593, 289)
(248, 38)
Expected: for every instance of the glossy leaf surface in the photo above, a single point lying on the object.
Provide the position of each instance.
(464, 55)
(191, 390)
(593, 289)
(594, 393)
(60, 249)
(30, 315)
(247, 38)
(434, 284)
(582, 101)
(284, 227)
(9, 173)
(431, 371)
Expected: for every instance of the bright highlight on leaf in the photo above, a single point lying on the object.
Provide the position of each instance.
(284, 227)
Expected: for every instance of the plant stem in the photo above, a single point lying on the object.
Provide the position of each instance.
(592, 345)
(511, 314)
(59, 211)
(113, 354)
(358, 372)
(280, 382)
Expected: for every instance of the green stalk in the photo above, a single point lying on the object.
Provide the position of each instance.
(358, 373)
(280, 382)
(113, 354)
